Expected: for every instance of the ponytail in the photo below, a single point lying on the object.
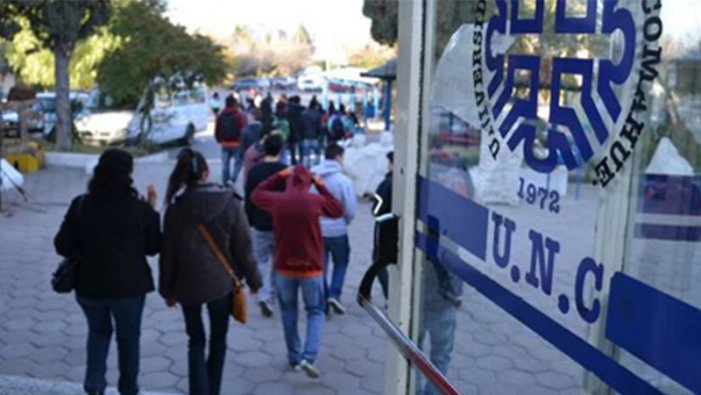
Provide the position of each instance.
(188, 171)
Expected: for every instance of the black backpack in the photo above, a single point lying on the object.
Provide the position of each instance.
(337, 129)
(229, 129)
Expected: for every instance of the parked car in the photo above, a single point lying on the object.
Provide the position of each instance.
(248, 83)
(80, 108)
(175, 116)
(34, 118)
(310, 83)
(283, 83)
(103, 126)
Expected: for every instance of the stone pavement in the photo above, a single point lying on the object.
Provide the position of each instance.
(42, 334)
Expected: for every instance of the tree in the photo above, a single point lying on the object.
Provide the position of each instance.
(277, 54)
(302, 36)
(385, 19)
(150, 46)
(450, 15)
(60, 26)
(8, 28)
(35, 65)
(371, 55)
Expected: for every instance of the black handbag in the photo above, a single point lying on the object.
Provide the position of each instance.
(64, 278)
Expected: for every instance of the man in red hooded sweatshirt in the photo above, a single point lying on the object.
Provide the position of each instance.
(299, 255)
(227, 132)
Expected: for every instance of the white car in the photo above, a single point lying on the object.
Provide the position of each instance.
(103, 127)
(310, 83)
(175, 116)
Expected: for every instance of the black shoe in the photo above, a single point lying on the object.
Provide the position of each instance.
(96, 392)
(265, 309)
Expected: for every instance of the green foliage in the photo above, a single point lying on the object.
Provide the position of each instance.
(385, 18)
(148, 46)
(4, 63)
(450, 15)
(59, 25)
(35, 65)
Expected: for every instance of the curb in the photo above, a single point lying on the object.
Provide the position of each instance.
(18, 385)
(88, 161)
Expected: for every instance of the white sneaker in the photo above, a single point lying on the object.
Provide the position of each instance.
(336, 306)
(308, 369)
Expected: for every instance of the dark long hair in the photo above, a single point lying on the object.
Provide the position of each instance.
(112, 175)
(188, 171)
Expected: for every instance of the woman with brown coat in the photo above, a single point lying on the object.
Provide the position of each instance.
(191, 274)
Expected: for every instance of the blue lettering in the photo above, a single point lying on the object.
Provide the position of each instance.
(588, 265)
(538, 260)
(502, 260)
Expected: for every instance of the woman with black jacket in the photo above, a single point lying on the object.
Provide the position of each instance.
(191, 274)
(113, 231)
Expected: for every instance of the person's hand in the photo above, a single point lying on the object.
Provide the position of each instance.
(318, 181)
(170, 302)
(284, 173)
(152, 196)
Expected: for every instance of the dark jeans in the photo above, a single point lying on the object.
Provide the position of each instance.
(126, 314)
(205, 377)
(383, 277)
(292, 147)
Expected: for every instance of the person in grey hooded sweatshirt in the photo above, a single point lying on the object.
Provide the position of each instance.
(335, 230)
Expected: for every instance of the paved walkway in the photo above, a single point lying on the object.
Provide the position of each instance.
(42, 334)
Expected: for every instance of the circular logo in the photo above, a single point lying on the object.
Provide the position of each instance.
(561, 79)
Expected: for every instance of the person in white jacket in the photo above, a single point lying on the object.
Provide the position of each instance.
(335, 231)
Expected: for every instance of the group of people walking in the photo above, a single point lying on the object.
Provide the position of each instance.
(305, 130)
(280, 239)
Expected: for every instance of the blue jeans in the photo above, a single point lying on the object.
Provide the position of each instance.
(264, 251)
(227, 155)
(309, 145)
(313, 296)
(337, 248)
(439, 322)
(126, 314)
(205, 377)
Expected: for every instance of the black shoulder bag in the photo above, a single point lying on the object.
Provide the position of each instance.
(63, 279)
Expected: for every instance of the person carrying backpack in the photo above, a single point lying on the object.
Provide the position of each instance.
(227, 132)
(299, 255)
(337, 131)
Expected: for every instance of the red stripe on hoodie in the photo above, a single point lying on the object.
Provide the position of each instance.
(299, 247)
